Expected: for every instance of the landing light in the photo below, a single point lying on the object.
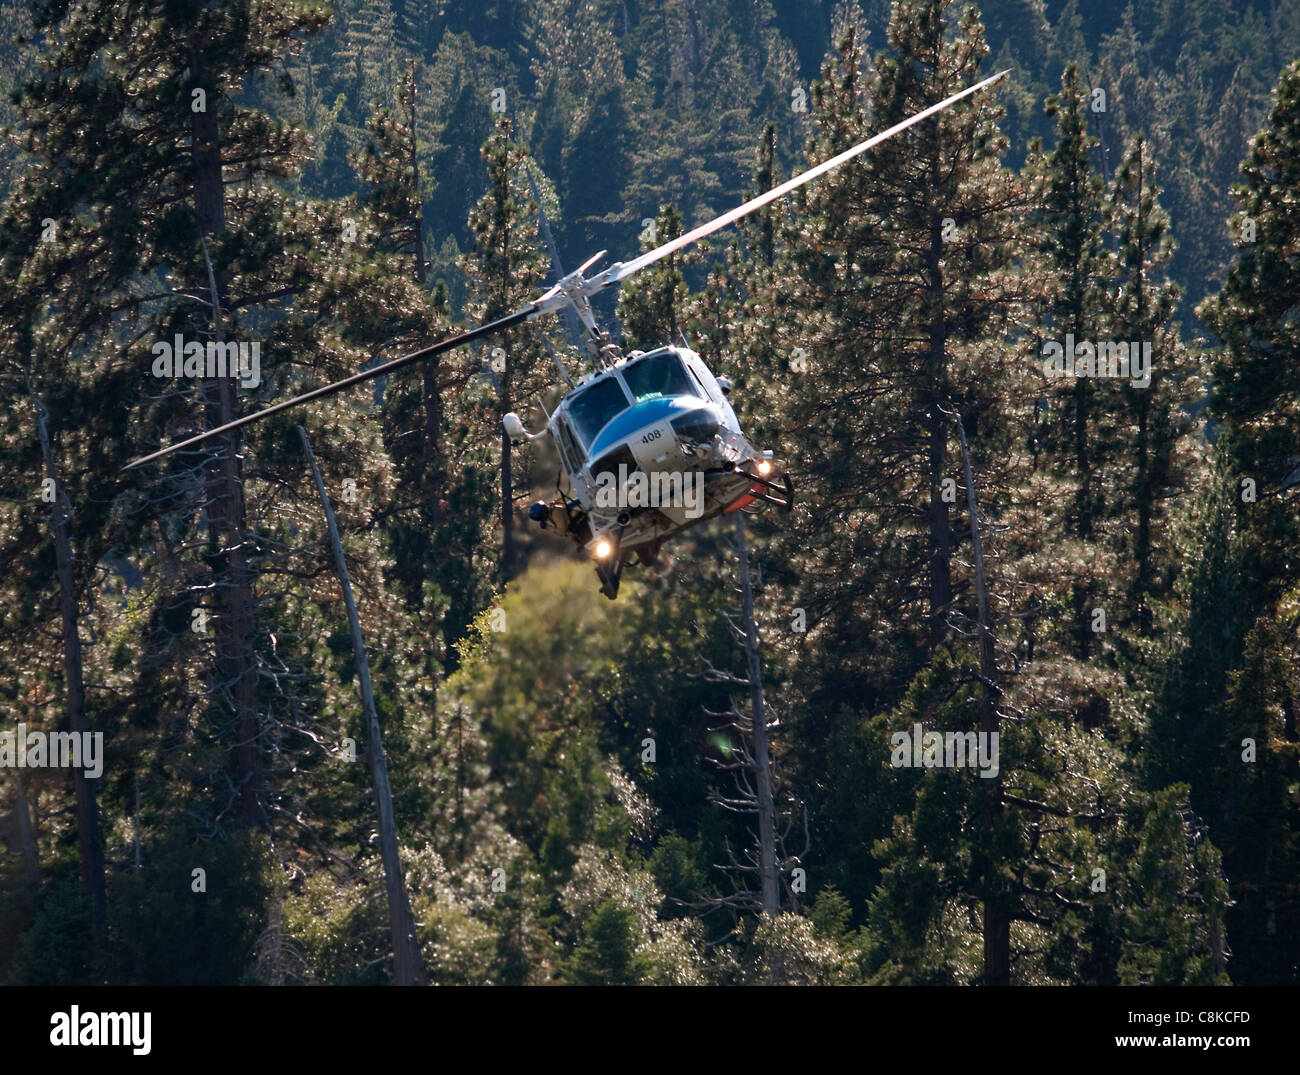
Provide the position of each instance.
(603, 549)
(764, 468)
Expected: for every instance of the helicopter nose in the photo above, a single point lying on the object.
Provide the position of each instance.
(661, 443)
(696, 426)
(650, 436)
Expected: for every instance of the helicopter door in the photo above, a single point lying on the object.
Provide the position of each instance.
(569, 454)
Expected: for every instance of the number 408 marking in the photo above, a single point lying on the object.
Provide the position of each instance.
(653, 435)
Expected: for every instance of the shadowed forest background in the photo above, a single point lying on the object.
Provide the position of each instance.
(570, 777)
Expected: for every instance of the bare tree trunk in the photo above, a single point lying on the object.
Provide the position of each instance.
(507, 508)
(224, 488)
(432, 442)
(1082, 459)
(417, 224)
(26, 837)
(1083, 507)
(940, 538)
(751, 766)
(92, 853)
(758, 716)
(997, 921)
(408, 966)
(1145, 497)
(1218, 953)
(1145, 509)
(135, 826)
(276, 939)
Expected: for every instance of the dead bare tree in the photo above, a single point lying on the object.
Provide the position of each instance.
(751, 765)
(228, 551)
(408, 966)
(91, 850)
(997, 918)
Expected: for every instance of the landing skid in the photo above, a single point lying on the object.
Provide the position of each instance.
(609, 575)
(779, 496)
(785, 491)
(610, 570)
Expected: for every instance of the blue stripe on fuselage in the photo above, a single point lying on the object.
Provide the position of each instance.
(638, 416)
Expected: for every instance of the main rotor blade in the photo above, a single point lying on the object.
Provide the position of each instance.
(553, 298)
(468, 336)
(557, 268)
(627, 268)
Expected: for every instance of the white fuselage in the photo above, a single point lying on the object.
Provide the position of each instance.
(649, 446)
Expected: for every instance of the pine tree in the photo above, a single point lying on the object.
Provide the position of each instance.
(1073, 261)
(1228, 725)
(457, 112)
(950, 288)
(608, 952)
(899, 278)
(585, 122)
(1255, 375)
(1140, 312)
(1173, 867)
(16, 53)
(1071, 426)
(505, 268)
(892, 279)
(166, 238)
(371, 51)
(436, 532)
(145, 220)
(651, 310)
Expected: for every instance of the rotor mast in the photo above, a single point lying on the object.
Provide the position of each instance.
(574, 292)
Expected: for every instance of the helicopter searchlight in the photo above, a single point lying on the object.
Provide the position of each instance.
(647, 430)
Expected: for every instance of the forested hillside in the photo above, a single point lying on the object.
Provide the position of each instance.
(724, 776)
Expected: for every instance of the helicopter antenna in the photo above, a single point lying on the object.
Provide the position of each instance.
(575, 290)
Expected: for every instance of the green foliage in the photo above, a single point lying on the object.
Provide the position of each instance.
(607, 953)
(59, 947)
(676, 867)
(357, 183)
(788, 950)
(1174, 870)
(1254, 374)
(166, 933)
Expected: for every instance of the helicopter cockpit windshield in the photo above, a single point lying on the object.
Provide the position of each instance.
(593, 409)
(659, 374)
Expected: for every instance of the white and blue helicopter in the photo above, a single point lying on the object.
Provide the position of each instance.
(650, 446)
(649, 442)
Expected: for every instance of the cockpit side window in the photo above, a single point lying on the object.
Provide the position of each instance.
(593, 408)
(658, 375)
(568, 448)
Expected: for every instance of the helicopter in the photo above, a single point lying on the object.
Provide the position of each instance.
(648, 441)
(651, 446)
